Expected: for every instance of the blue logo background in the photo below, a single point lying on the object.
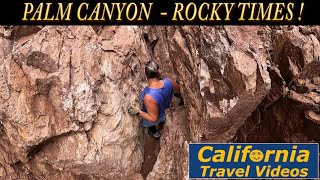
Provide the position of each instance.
(195, 170)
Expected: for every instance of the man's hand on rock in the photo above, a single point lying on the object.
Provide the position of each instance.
(133, 108)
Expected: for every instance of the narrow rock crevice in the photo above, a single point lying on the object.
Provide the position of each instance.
(151, 151)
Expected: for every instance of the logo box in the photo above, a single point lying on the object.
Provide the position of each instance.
(254, 160)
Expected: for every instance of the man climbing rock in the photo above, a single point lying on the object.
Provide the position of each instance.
(155, 98)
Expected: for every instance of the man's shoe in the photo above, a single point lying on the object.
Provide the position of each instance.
(155, 135)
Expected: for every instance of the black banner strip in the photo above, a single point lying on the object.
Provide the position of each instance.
(161, 12)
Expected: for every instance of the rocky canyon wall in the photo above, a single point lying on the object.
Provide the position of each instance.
(64, 92)
(290, 112)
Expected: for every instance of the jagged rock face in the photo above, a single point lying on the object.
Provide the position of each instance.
(64, 91)
(224, 77)
(290, 112)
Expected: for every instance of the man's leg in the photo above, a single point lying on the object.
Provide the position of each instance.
(153, 129)
(162, 122)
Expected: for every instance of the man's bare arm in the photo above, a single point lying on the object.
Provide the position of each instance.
(152, 109)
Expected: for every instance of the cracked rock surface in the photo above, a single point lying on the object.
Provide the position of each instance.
(64, 91)
(63, 100)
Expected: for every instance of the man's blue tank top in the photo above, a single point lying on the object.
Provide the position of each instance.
(162, 96)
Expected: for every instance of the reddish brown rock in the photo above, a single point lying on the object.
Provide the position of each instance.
(224, 77)
(172, 161)
(64, 91)
(290, 112)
